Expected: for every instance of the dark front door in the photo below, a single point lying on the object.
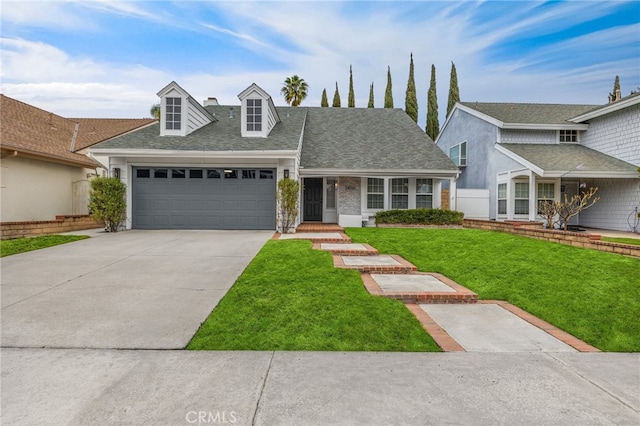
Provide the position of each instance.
(312, 200)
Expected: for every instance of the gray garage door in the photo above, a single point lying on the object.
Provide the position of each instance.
(203, 198)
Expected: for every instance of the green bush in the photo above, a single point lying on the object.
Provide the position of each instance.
(420, 217)
(107, 202)
(288, 191)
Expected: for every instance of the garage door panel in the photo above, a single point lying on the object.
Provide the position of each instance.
(203, 203)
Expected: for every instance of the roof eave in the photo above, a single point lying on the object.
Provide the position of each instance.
(545, 126)
(163, 153)
(607, 109)
(591, 174)
(20, 152)
(378, 172)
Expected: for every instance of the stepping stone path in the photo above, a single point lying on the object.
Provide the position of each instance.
(391, 276)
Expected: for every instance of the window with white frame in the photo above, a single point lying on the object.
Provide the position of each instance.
(424, 193)
(254, 115)
(173, 114)
(400, 193)
(521, 198)
(570, 136)
(546, 194)
(458, 154)
(375, 193)
(502, 198)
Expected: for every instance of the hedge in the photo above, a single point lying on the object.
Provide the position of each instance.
(420, 217)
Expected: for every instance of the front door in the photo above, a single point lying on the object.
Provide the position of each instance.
(312, 200)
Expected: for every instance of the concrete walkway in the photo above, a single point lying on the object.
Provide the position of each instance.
(133, 290)
(97, 387)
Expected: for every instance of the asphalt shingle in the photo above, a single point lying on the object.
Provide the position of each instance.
(569, 157)
(530, 113)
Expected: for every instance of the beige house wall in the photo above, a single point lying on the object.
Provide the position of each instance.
(39, 190)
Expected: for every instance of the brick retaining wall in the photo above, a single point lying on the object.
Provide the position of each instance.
(9, 230)
(535, 230)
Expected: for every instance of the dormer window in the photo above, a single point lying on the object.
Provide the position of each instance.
(254, 115)
(173, 118)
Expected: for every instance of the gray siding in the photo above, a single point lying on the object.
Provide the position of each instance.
(480, 137)
(618, 200)
(529, 136)
(616, 134)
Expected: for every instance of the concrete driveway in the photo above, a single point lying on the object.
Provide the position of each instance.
(129, 290)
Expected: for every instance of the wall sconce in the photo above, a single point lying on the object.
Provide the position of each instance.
(286, 173)
(335, 185)
(116, 172)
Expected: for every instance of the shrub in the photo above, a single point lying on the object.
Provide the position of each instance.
(420, 217)
(288, 191)
(107, 202)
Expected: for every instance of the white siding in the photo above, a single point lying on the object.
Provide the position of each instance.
(195, 118)
(616, 134)
(529, 136)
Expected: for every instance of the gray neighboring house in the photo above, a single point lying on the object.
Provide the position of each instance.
(215, 167)
(526, 153)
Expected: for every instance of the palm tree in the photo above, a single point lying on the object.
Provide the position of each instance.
(155, 111)
(294, 90)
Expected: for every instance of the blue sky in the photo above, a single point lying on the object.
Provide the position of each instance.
(109, 59)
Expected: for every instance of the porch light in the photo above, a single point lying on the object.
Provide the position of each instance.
(228, 171)
(286, 173)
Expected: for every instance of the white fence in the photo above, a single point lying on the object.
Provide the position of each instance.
(474, 203)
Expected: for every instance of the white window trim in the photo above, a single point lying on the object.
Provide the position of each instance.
(506, 199)
(416, 194)
(365, 192)
(521, 215)
(183, 116)
(462, 161)
(391, 194)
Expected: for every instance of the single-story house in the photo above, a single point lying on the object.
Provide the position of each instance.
(45, 168)
(524, 154)
(215, 167)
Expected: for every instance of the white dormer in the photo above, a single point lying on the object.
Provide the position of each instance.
(259, 114)
(180, 114)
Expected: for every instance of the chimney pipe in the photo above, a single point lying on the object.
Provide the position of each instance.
(618, 95)
(210, 101)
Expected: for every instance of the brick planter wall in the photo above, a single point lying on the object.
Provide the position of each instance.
(535, 230)
(9, 230)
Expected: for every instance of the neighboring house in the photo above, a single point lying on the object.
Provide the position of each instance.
(45, 170)
(216, 167)
(527, 153)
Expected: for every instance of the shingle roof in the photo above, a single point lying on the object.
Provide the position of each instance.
(572, 158)
(368, 138)
(30, 130)
(221, 135)
(530, 113)
(94, 130)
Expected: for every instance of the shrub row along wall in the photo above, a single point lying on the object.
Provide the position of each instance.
(9, 230)
(535, 230)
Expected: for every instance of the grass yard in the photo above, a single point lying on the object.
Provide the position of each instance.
(591, 294)
(292, 298)
(22, 245)
(632, 241)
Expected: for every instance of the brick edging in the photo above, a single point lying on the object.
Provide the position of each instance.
(33, 228)
(551, 329)
(441, 337)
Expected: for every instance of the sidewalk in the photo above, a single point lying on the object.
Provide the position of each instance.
(95, 387)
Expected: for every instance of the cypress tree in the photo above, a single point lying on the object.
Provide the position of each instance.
(336, 98)
(454, 92)
(324, 102)
(370, 105)
(616, 87)
(433, 127)
(411, 99)
(351, 101)
(388, 93)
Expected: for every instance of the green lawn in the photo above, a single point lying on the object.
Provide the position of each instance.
(591, 294)
(632, 241)
(292, 298)
(21, 245)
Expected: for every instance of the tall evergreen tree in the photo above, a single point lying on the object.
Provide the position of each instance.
(324, 102)
(411, 99)
(370, 104)
(433, 126)
(336, 98)
(454, 92)
(351, 101)
(616, 87)
(388, 93)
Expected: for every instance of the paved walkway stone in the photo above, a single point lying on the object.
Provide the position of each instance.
(397, 282)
